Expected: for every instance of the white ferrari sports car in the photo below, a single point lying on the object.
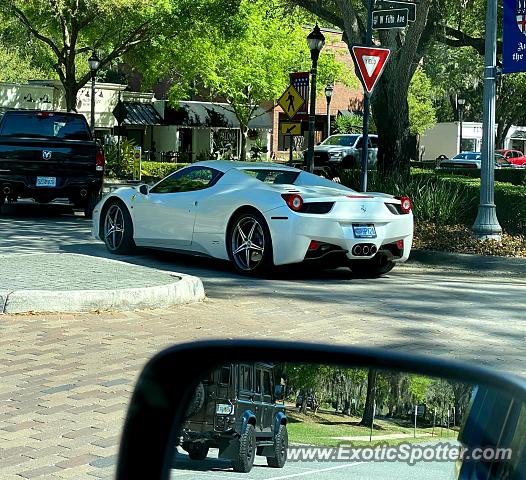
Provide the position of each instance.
(258, 215)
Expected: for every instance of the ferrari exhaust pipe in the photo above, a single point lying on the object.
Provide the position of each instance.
(364, 250)
(7, 190)
(83, 192)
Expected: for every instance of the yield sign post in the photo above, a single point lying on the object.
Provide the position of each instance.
(370, 63)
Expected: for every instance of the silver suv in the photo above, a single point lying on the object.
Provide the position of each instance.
(345, 151)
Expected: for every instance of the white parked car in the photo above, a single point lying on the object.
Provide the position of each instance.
(258, 215)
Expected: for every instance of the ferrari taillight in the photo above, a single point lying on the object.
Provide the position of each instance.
(294, 201)
(99, 161)
(405, 204)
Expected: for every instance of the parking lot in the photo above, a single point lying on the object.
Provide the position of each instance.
(66, 379)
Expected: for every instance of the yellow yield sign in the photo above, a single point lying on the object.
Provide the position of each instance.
(291, 101)
(291, 128)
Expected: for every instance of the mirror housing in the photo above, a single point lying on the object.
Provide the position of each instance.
(144, 189)
(167, 384)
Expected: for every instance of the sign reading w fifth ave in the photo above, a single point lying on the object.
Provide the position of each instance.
(514, 41)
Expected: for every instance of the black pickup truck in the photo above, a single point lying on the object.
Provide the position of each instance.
(49, 155)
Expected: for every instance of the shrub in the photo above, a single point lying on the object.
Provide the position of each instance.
(160, 170)
(448, 199)
(119, 166)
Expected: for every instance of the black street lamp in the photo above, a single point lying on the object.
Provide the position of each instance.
(94, 64)
(329, 89)
(316, 41)
(461, 102)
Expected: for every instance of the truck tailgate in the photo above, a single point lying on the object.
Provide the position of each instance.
(40, 156)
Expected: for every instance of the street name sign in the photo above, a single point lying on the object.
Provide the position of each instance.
(291, 101)
(514, 37)
(389, 5)
(386, 19)
(291, 128)
(370, 63)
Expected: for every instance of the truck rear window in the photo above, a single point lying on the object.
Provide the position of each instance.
(67, 127)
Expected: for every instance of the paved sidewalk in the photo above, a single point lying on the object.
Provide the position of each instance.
(68, 282)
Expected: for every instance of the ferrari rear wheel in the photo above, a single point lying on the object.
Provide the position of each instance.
(249, 244)
(374, 267)
(118, 229)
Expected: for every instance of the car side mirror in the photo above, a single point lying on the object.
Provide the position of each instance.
(144, 189)
(171, 423)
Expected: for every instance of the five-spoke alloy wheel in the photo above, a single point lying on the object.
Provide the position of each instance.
(118, 229)
(249, 243)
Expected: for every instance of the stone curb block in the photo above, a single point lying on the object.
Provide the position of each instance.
(185, 289)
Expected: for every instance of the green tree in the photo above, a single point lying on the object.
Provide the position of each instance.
(70, 29)
(421, 111)
(390, 101)
(247, 69)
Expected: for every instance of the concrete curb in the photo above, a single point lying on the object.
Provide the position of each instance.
(482, 264)
(184, 289)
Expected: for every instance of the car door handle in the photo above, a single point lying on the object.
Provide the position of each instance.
(196, 203)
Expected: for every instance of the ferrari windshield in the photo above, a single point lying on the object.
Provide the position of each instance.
(274, 176)
(342, 140)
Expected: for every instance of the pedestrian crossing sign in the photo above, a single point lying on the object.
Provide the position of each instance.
(291, 101)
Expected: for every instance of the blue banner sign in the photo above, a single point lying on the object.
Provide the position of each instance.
(514, 41)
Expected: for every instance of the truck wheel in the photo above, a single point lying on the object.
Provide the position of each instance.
(198, 400)
(117, 228)
(197, 451)
(373, 267)
(281, 444)
(247, 450)
(93, 199)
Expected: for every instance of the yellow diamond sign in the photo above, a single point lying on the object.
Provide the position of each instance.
(291, 101)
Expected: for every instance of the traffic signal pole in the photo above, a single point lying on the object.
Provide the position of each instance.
(366, 104)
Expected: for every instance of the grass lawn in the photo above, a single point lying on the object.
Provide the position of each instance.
(323, 428)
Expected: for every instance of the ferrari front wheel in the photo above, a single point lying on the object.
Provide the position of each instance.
(249, 244)
(117, 228)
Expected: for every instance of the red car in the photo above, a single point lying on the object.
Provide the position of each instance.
(515, 157)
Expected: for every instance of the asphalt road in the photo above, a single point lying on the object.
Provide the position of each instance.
(471, 315)
(214, 468)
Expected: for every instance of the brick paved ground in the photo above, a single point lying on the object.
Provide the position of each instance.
(66, 379)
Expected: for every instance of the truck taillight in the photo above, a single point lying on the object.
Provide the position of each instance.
(99, 161)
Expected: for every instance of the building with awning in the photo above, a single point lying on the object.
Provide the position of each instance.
(197, 129)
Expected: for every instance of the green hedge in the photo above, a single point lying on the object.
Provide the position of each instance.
(160, 169)
(515, 176)
(449, 199)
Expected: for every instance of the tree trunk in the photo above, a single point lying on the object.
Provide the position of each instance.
(71, 91)
(367, 418)
(243, 149)
(391, 115)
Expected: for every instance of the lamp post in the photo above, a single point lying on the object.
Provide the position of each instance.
(316, 41)
(94, 64)
(486, 224)
(328, 95)
(460, 105)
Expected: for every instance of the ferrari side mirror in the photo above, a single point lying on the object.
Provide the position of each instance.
(144, 189)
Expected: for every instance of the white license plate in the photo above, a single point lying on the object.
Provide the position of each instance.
(46, 181)
(364, 231)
